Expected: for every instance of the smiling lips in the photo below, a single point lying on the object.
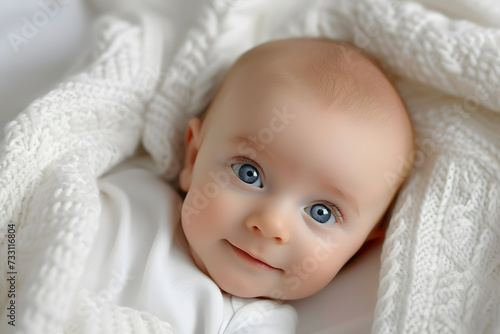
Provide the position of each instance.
(252, 260)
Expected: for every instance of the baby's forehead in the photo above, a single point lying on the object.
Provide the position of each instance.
(335, 74)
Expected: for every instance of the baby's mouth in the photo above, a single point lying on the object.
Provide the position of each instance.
(247, 257)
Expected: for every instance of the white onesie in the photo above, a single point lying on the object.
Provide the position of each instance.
(140, 260)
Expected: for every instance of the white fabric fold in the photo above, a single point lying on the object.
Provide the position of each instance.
(440, 269)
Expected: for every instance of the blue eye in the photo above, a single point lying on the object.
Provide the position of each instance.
(322, 214)
(248, 174)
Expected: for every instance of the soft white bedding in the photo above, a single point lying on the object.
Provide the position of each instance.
(440, 263)
(33, 61)
(33, 58)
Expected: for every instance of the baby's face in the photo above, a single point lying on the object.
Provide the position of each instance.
(281, 191)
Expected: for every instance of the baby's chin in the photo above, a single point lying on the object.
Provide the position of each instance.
(235, 287)
(241, 289)
(226, 282)
(249, 290)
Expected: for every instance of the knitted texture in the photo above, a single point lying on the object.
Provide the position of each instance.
(107, 318)
(441, 258)
(52, 155)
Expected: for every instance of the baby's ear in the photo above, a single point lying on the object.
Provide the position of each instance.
(192, 143)
(377, 234)
(376, 237)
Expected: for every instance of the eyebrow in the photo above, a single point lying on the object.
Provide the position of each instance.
(237, 140)
(345, 196)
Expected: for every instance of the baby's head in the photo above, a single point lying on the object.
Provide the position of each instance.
(286, 173)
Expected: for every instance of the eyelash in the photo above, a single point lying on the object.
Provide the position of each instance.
(331, 206)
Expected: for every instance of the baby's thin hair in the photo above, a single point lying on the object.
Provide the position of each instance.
(340, 74)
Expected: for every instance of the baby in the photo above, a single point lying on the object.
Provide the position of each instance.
(285, 174)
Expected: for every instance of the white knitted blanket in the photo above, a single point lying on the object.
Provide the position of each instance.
(441, 258)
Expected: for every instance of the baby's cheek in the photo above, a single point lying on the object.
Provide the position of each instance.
(308, 278)
(207, 208)
(221, 211)
(315, 264)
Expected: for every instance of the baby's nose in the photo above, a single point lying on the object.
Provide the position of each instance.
(270, 224)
